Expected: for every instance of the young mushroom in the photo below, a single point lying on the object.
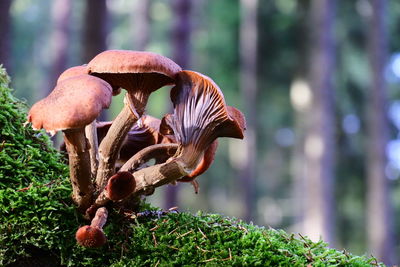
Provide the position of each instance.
(119, 186)
(200, 117)
(139, 73)
(92, 236)
(74, 103)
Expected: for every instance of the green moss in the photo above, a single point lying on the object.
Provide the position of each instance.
(38, 220)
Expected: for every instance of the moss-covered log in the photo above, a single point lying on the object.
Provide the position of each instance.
(38, 220)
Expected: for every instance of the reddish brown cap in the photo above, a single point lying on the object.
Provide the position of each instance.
(120, 185)
(140, 73)
(72, 72)
(90, 237)
(74, 103)
(127, 61)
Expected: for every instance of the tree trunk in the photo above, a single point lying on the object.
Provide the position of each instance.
(248, 85)
(379, 210)
(181, 31)
(141, 24)
(61, 16)
(299, 89)
(95, 33)
(95, 29)
(319, 143)
(5, 28)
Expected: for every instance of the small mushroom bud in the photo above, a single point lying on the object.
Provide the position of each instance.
(120, 186)
(92, 236)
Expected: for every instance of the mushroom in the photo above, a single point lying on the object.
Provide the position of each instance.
(119, 186)
(140, 73)
(74, 103)
(92, 236)
(90, 129)
(200, 117)
(72, 72)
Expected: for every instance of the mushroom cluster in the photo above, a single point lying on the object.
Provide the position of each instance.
(109, 162)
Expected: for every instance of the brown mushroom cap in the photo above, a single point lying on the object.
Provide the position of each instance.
(72, 72)
(120, 185)
(90, 237)
(140, 73)
(126, 61)
(200, 115)
(74, 103)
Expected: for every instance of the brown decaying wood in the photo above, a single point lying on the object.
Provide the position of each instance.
(79, 167)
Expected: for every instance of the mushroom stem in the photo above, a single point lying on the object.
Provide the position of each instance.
(100, 218)
(79, 167)
(91, 134)
(157, 175)
(111, 144)
(158, 151)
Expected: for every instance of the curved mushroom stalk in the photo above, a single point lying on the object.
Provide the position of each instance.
(74, 103)
(200, 117)
(159, 152)
(140, 73)
(92, 236)
(204, 164)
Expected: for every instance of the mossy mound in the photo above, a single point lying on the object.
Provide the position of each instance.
(38, 220)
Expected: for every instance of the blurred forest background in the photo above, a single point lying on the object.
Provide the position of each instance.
(318, 81)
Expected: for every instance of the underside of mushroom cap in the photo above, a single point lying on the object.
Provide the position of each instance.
(200, 115)
(140, 73)
(134, 70)
(200, 112)
(74, 103)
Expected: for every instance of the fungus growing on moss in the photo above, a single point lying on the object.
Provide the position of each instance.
(92, 236)
(139, 73)
(74, 103)
(200, 117)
